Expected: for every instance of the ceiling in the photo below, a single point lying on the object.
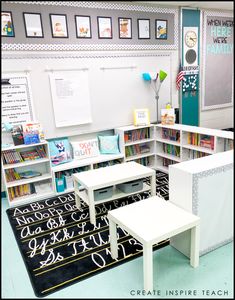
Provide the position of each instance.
(224, 5)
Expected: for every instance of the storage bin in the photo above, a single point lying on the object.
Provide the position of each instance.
(60, 186)
(103, 193)
(131, 186)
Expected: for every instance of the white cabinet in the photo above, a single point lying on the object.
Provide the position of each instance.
(137, 143)
(27, 173)
(205, 187)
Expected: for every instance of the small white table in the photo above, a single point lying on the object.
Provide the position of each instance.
(110, 176)
(151, 221)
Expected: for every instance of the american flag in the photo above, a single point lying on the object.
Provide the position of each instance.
(179, 77)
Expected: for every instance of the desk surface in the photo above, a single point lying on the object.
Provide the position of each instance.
(113, 174)
(153, 218)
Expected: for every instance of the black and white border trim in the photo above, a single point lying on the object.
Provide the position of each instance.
(99, 5)
(196, 178)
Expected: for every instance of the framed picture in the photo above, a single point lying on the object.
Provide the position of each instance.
(125, 28)
(83, 26)
(59, 28)
(105, 27)
(141, 117)
(161, 29)
(7, 28)
(33, 25)
(143, 28)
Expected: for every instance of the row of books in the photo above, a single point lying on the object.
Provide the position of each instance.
(69, 172)
(171, 134)
(166, 162)
(228, 144)
(171, 149)
(143, 161)
(135, 135)
(137, 149)
(196, 154)
(29, 189)
(15, 156)
(202, 140)
(107, 163)
(21, 190)
(12, 174)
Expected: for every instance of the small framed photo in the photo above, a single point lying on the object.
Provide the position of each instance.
(59, 27)
(161, 29)
(143, 28)
(125, 28)
(105, 27)
(83, 27)
(33, 25)
(7, 28)
(141, 117)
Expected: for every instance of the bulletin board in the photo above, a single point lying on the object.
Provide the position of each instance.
(217, 67)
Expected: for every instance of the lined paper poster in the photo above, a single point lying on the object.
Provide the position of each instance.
(16, 101)
(71, 98)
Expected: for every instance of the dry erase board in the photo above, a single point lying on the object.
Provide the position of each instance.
(115, 82)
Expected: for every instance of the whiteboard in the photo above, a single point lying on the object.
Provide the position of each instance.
(71, 98)
(115, 82)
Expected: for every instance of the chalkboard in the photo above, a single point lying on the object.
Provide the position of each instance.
(115, 84)
(217, 61)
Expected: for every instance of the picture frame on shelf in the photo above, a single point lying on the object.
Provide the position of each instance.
(105, 30)
(59, 27)
(161, 29)
(143, 28)
(125, 28)
(7, 27)
(33, 25)
(141, 117)
(83, 27)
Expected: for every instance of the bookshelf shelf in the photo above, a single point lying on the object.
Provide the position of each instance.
(26, 163)
(24, 158)
(137, 143)
(29, 180)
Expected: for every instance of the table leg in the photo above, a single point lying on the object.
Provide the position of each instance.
(148, 266)
(153, 184)
(113, 239)
(77, 200)
(91, 206)
(194, 248)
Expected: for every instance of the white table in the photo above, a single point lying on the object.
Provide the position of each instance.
(151, 221)
(110, 176)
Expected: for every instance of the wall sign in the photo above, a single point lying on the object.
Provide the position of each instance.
(16, 99)
(217, 83)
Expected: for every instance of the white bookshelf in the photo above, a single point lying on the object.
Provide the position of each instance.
(189, 143)
(137, 143)
(22, 190)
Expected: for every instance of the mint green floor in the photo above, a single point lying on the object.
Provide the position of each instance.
(172, 274)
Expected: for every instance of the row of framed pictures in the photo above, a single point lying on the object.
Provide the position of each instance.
(59, 27)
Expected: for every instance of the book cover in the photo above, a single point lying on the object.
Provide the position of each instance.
(17, 135)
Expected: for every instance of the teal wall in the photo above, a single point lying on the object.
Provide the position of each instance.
(190, 104)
